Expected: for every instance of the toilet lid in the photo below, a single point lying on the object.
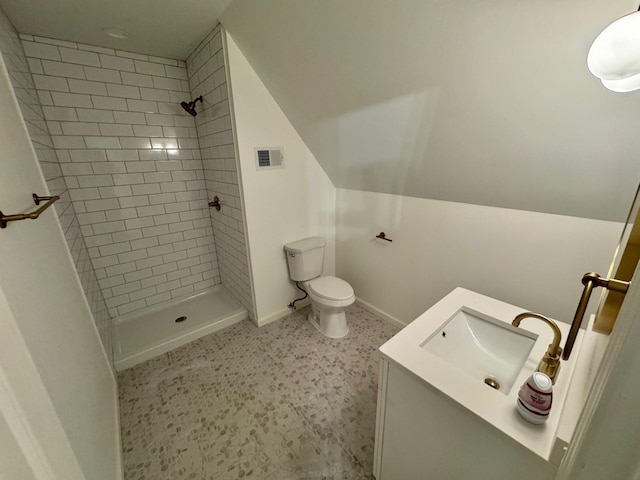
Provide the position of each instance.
(331, 288)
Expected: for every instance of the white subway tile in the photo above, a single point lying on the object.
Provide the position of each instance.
(121, 269)
(108, 167)
(66, 142)
(35, 65)
(40, 50)
(80, 128)
(46, 82)
(84, 86)
(145, 189)
(165, 287)
(131, 235)
(160, 119)
(172, 187)
(139, 223)
(78, 194)
(88, 156)
(140, 167)
(157, 177)
(152, 231)
(153, 155)
(122, 155)
(165, 268)
(61, 99)
(116, 130)
(149, 262)
(170, 238)
(119, 191)
(102, 75)
(95, 181)
(144, 243)
(155, 299)
(142, 106)
(138, 275)
(91, 218)
(59, 113)
(164, 143)
(128, 178)
(121, 214)
(123, 91)
(176, 72)
(130, 307)
(182, 291)
(133, 256)
(145, 292)
(136, 79)
(102, 142)
(117, 63)
(91, 115)
(135, 142)
(77, 169)
(147, 131)
(108, 227)
(60, 69)
(164, 61)
(109, 103)
(79, 56)
(130, 117)
(149, 68)
(150, 210)
(166, 218)
(154, 94)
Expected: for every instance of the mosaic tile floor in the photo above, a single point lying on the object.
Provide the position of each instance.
(280, 402)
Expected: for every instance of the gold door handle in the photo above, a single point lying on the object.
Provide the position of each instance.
(4, 219)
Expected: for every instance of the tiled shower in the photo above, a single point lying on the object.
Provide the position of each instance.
(134, 170)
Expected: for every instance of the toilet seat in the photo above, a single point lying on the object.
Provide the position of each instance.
(331, 288)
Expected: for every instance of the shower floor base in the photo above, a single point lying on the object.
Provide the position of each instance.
(140, 336)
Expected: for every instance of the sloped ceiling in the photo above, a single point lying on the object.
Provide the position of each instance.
(486, 102)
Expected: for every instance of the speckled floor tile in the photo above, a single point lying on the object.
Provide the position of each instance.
(276, 403)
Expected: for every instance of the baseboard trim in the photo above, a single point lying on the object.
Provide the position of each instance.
(379, 313)
(274, 317)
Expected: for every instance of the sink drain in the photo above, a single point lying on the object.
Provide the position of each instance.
(180, 319)
(492, 382)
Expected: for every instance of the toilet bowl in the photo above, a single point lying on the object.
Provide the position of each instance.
(329, 295)
(329, 298)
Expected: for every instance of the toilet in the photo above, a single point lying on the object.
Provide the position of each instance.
(330, 296)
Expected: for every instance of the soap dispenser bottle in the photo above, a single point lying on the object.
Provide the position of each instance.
(535, 398)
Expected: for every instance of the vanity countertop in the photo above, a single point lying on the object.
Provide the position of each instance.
(496, 408)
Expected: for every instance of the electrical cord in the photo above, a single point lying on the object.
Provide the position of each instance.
(293, 304)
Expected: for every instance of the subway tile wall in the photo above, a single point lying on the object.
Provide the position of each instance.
(206, 68)
(23, 85)
(131, 160)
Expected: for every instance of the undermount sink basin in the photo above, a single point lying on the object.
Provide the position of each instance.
(485, 348)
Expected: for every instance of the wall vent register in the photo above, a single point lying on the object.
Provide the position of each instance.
(272, 157)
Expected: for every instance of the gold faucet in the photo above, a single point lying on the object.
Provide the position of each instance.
(550, 363)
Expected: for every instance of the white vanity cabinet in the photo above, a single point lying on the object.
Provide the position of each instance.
(438, 420)
(421, 434)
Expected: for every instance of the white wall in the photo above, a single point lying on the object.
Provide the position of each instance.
(281, 205)
(488, 103)
(529, 259)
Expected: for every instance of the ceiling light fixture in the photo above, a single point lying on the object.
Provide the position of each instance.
(115, 33)
(614, 56)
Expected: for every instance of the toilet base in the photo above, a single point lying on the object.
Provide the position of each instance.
(331, 323)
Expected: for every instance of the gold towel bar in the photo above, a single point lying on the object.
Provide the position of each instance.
(4, 219)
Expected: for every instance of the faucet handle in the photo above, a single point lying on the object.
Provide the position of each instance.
(550, 363)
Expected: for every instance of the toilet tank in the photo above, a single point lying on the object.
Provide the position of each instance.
(305, 258)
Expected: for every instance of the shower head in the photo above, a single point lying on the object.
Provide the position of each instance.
(190, 107)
